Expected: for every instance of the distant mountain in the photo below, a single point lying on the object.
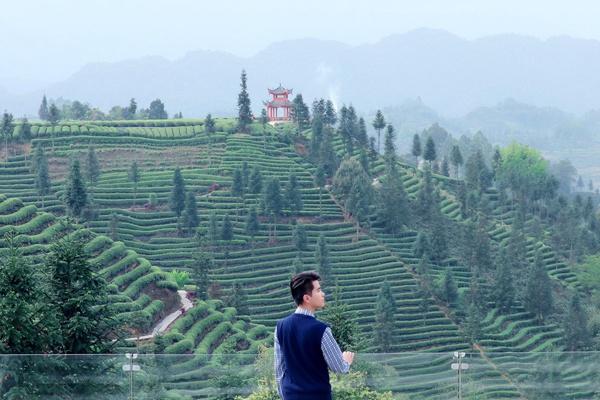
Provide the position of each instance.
(450, 74)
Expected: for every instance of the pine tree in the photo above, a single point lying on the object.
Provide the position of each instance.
(42, 177)
(297, 265)
(226, 229)
(477, 174)
(177, 199)
(444, 168)
(27, 321)
(293, 196)
(456, 159)
(213, 229)
(80, 295)
(319, 179)
(237, 185)
(245, 176)
(425, 196)
(75, 192)
(201, 266)
(328, 158)
(421, 246)
(300, 114)
(134, 177)
(393, 202)
(113, 227)
(6, 129)
(25, 134)
(430, 154)
(132, 109)
(317, 137)
(53, 118)
(385, 311)
(92, 169)
(343, 323)
(389, 149)
(299, 237)
(439, 241)
(252, 224)
(416, 149)
(449, 291)
(350, 173)
(273, 202)
(209, 129)
(190, 213)
(362, 138)
(330, 117)
(244, 111)
(323, 262)
(503, 291)
(575, 324)
(156, 110)
(43, 112)
(538, 291)
(255, 181)
(238, 299)
(379, 123)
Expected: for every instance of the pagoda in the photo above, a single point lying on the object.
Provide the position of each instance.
(278, 108)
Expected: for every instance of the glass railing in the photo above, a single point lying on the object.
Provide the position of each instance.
(460, 375)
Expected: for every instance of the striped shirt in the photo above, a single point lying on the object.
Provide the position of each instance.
(331, 352)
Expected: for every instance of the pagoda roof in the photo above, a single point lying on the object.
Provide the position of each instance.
(279, 103)
(280, 90)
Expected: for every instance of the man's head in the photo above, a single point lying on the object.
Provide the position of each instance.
(306, 290)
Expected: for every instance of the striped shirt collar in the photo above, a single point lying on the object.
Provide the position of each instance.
(304, 311)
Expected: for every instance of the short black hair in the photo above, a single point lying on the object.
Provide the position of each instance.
(302, 284)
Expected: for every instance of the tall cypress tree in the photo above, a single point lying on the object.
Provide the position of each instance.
(503, 291)
(389, 149)
(421, 246)
(43, 110)
(448, 287)
(317, 137)
(538, 290)
(209, 129)
(379, 124)
(323, 262)
(255, 181)
(201, 266)
(244, 111)
(456, 159)
(42, 177)
(252, 224)
(293, 196)
(416, 148)
(213, 228)
(385, 311)
(273, 203)
(6, 129)
(226, 229)
(362, 137)
(300, 114)
(576, 332)
(237, 185)
(134, 177)
(177, 199)
(190, 213)
(393, 202)
(299, 237)
(75, 193)
(430, 154)
(238, 299)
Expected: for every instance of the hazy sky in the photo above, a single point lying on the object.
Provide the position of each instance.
(47, 40)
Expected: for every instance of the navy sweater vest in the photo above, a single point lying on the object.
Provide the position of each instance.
(306, 374)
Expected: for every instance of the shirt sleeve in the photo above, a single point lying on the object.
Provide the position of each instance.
(333, 354)
(279, 365)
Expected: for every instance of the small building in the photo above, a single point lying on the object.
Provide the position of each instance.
(278, 108)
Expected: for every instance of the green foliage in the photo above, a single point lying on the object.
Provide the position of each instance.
(575, 325)
(448, 289)
(272, 199)
(42, 177)
(256, 181)
(238, 299)
(201, 266)
(237, 185)
(349, 182)
(299, 113)
(385, 309)
(293, 196)
(177, 199)
(157, 110)
(209, 124)
(190, 213)
(75, 193)
(43, 112)
(252, 223)
(92, 167)
(456, 158)
(416, 149)
(299, 237)
(503, 291)
(392, 202)
(525, 172)
(430, 153)
(226, 229)
(538, 291)
(244, 111)
(323, 261)
(477, 174)
(389, 149)
(343, 323)
(379, 124)
(181, 278)
(134, 177)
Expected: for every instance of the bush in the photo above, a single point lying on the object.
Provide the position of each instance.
(179, 277)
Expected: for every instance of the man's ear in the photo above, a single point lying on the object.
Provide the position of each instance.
(306, 298)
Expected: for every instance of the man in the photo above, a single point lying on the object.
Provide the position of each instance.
(305, 347)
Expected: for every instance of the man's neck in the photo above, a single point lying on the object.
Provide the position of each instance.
(306, 310)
